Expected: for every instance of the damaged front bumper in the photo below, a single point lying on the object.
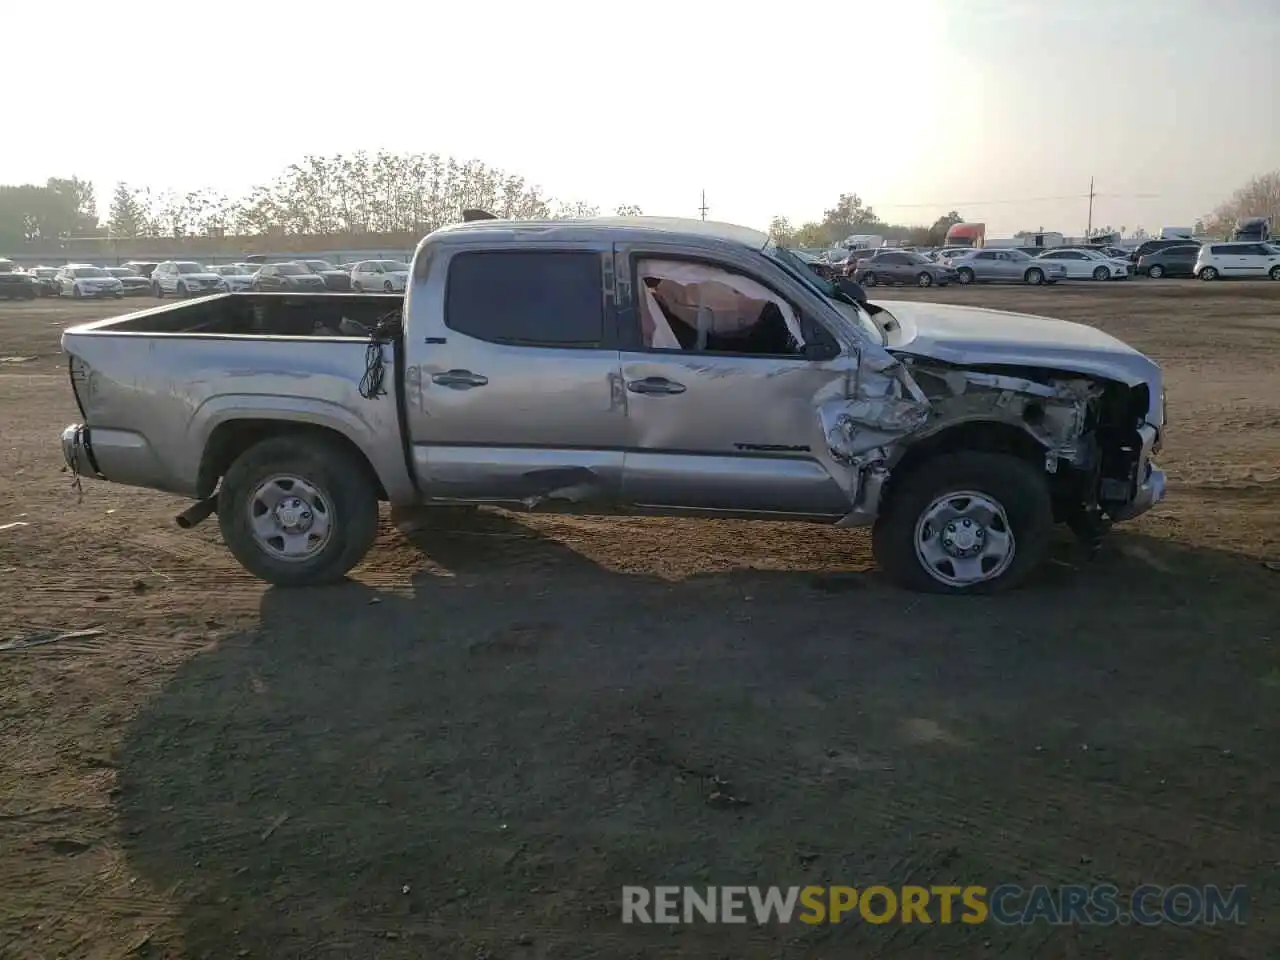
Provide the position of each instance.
(1150, 479)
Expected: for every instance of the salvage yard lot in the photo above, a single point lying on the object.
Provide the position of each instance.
(468, 750)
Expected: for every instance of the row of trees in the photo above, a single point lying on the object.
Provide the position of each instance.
(342, 194)
(416, 193)
(851, 216)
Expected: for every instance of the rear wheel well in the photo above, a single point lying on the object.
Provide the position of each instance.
(234, 437)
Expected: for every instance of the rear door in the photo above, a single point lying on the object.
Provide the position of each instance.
(985, 266)
(721, 401)
(517, 396)
(1255, 260)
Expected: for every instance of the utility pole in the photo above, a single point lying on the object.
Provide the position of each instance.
(703, 208)
(1089, 229)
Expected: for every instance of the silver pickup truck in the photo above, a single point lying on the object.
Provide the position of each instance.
(628, 365)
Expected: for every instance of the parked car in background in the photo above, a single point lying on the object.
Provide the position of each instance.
(287, 276)
(1237, 260)
(896, 266)
(1179, 261)
(387, 276)
(45, 280)
(85, 280)
(142, 268)
(334, 279)
(1151, 246)
(985, 265)
(820, 267)
(1086, 264)
(237, 276)
(133, 284)
(947, 253)
(16, 283)
(184, 278)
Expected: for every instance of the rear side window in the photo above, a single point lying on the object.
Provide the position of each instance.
(548, 299)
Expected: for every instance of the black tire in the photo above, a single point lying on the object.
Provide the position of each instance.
(75, 293)
(1034, 276)
(1102, 273)
(1155, 271)
(1275, 273)
(1019, 488)
(965, 276)
(1208, 273)
(924, 279)
(182, 289)
(156, 291)
(331, 468)
(386, 286)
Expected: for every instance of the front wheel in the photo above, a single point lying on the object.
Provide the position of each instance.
(75, 292)
(1034, 276)
(386, 286)
(1101, 273)
(965, 523)
(965, 276)
(869, 279)
(1155, 272)
(298, 510)
(1208, 273)
(925, 279)
(182, 289)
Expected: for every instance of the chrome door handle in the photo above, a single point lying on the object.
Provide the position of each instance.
(459, 379)
(652, 385)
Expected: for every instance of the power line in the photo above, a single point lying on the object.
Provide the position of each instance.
(956, 204)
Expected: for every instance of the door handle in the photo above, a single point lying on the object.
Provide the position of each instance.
(459, 379)
(655, 385)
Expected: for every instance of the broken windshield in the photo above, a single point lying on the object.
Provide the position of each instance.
(829, 289)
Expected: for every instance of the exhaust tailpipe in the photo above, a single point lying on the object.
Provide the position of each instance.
(198, 511)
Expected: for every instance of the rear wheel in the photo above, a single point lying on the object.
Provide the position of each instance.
(1275, 273)
(965, 523)
(1155, 271)
(298, 510)
(1208, 273)
(964, 275)
(1101, 273)
(1034, 276)
(924, 279)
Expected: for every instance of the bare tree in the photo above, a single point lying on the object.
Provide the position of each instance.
(1260, 197)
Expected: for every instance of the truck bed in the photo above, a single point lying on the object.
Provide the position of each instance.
(260, 315)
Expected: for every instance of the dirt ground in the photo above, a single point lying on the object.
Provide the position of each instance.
(471, 747)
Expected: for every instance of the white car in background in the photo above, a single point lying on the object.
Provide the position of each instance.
(185, 277)
(380, 276)
(86, 280)
(1088, 264)
(1229, 260)
(238, 276)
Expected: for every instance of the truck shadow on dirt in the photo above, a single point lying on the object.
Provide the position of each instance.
(476, 769)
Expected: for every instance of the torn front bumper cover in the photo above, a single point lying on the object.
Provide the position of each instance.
(1150, 488)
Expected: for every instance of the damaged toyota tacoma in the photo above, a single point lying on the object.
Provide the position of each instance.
(621, 366)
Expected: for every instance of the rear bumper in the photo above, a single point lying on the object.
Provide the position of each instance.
(120, 456)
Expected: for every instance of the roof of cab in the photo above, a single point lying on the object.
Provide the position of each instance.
(711, 229)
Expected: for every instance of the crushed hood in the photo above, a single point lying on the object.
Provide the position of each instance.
(972, 336)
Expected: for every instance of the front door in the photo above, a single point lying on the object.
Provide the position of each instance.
(512, 391)
(721, 403)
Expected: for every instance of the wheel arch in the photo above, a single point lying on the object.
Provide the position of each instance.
(232, 437)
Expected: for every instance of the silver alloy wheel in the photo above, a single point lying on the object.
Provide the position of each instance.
(291, 519)
(963, 538)
(925, 279)
(1155, 272)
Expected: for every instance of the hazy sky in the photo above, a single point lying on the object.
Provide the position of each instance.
(1001, 108)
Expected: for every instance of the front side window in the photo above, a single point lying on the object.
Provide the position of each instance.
(698, 308)
(548, 299)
